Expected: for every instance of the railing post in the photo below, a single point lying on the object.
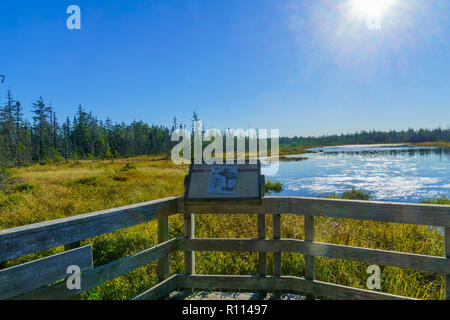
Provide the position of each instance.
(262, 266)
(310, 261)
(163, 236)
(276, 232)
(276, 235)
(189, 233)
(447, 255)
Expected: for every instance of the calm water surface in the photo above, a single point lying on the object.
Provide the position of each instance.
(389, 173)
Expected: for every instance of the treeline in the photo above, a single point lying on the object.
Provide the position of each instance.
(371, 137)
(44, 138)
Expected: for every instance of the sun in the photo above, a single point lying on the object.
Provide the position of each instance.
(370, 8)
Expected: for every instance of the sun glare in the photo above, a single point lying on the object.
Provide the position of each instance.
(368, 8)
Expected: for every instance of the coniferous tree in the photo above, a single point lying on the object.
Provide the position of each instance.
(41, 126)
(22, 142)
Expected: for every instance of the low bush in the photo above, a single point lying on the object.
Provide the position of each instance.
(25, 187)
(270, 187)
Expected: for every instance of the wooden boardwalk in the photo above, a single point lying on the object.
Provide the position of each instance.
(207, 295)
(40, 279)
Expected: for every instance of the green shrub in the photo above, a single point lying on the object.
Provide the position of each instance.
(273, 187)
(25, 187)
(89, 181)
(356, 195)
(443, 200)
(351, 195)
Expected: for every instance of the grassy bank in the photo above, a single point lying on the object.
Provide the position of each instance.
(433, 144)
(288, 149)
(47, 192)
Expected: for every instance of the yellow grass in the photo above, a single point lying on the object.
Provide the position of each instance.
(86, 186)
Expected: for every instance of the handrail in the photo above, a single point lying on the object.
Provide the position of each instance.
(20, 241)
(17, 242)
(367, 255)
(110, 271)
(409, 213)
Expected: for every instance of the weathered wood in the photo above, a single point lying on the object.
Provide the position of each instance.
(410, 213)
(68, 247)
(163, 236)
(276, 231)
(373, 256)
(262, 259)
(161, 290)
(310, 260)
(69, 231)
(20, 241)
(447, 255)
(189, 233)
(281, 284)
(32, 275)
(104, 273)
(268, 205)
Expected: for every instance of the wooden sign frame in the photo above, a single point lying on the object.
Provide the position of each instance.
(243, 193)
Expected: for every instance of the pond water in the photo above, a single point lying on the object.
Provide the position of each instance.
(389, 172)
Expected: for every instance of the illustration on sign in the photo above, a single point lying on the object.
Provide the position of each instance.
(223, 180)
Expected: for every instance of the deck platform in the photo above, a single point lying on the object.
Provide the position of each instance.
(208, 295)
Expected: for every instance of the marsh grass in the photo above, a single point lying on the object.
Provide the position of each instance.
(61, 190)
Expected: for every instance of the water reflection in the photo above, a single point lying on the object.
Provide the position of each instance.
(390, 173)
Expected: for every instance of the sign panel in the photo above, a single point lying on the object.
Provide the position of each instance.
(215, 182)
(223, 180)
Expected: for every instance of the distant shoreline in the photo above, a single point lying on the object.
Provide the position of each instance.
(305, 149)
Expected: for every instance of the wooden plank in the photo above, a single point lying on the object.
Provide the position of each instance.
(32, 275)
(276, 231)
(163, 236)
(447, 255)
(189, 233)
(20, 241)
(310, 261)
(161, 290)
(373, 256)
(262, 261)
(410, 213)
(281, 284)
(104, 273)
(68, 247)
(268, 205)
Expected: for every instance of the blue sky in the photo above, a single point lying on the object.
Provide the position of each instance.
(305, 67)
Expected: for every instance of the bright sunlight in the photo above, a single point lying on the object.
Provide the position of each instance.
(370, 8)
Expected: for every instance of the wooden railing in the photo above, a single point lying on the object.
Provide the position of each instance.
(39, 279)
